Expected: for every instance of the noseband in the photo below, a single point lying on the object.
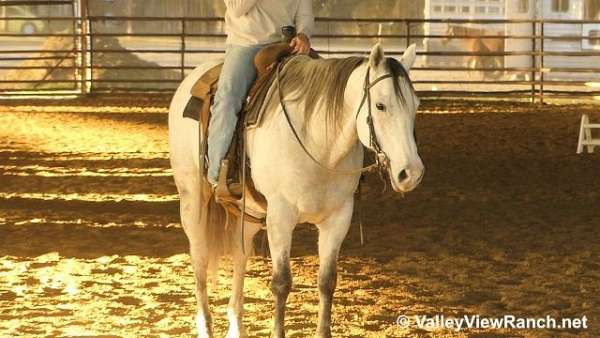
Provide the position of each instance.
(381, 159)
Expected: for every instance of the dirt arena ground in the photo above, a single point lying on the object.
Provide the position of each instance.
(506, 221)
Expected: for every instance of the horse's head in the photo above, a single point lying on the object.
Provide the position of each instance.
(392, 104)
(450, 32)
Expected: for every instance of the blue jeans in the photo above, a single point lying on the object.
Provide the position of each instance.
(237, 76)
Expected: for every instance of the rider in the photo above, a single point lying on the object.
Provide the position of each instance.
(250, 25)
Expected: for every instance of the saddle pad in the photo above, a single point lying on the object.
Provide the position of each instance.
(198, 107)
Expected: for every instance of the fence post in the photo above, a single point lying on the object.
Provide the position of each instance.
(83, 44)
(183, 47)
(407, 33)
(3, 23)
(75, 42)
(533, 59)
(91, 40)
(541, 63)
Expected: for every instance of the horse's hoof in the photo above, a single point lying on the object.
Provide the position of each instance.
(204, 326)
(205, 335)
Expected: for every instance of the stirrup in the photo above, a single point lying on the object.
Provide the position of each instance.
(229, 195)
(227, 192)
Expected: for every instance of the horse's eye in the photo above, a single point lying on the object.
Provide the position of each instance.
(380, 106)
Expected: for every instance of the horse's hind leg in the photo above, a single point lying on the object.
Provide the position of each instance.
(331, 235)
(281, 221)
(195, 230)
(235, 308)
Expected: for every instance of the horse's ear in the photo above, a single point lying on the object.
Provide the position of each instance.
(377, 56)
(408, 59)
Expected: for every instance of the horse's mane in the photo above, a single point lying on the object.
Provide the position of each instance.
(317, 80)
(325, 80)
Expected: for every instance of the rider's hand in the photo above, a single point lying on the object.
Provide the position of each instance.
(300, 44)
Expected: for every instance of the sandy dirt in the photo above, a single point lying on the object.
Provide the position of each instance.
(505, 222)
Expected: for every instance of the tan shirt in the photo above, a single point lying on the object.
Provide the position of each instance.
(255, 22)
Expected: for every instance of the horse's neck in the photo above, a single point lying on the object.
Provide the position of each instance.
(335, 145)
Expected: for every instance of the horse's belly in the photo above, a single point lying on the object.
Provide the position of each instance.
(316, 208)
(315, 200)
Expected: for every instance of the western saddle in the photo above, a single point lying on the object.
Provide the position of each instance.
(232, 184)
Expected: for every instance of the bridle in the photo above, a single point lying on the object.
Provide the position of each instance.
(382, 162)
(381, 159)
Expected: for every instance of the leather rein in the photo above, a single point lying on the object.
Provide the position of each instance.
(381, 158)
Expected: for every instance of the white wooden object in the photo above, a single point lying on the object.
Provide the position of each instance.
(585, 135)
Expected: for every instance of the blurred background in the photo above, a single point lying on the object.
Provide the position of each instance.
(529, 49)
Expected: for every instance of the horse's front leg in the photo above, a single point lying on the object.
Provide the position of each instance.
(281, 221)
(235, 308)
(332, 232)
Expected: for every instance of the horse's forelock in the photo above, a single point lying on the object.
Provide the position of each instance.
(399, 75)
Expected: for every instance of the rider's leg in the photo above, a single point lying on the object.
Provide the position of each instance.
(237, 76)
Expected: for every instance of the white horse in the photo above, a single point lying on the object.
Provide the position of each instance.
(376, 109)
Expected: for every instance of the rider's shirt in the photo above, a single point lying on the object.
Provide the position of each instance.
(256, 22)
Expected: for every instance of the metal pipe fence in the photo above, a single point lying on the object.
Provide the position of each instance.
(108, 54)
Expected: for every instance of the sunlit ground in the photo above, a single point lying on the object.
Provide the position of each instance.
(505, 222)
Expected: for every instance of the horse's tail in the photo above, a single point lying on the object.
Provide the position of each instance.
(219, 235)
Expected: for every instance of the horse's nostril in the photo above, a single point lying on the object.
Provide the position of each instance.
(402, 176)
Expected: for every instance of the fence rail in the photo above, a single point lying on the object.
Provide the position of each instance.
(103, 54)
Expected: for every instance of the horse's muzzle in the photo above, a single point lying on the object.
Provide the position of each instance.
(408, 179)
